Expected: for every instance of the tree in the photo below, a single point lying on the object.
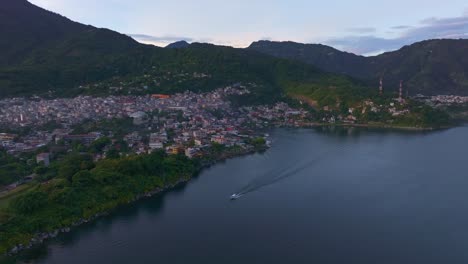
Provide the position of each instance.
(98, 145)
(40, 170)
(72, 164)
(258, 142)
(217, 148)
(82, 179)
(112, 154)
(29, 202)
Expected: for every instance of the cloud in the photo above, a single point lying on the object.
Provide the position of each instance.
(430, 28)
(158, 41)
(162, 41)
(365, 45)
(362, 30)
(401, 27)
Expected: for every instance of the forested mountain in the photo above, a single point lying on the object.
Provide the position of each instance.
(48, 52)
(322, 56)
(43, 51)
(178, 45)
(25, 28)
(427, 67)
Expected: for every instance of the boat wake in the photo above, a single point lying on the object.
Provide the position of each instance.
(273, 176)
(284, 172)
(235, 196)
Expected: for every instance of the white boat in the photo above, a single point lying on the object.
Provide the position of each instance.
(235, 196)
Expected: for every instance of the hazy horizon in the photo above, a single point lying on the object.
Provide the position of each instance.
(363, 27)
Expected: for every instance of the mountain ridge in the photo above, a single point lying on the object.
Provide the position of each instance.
(438, 66)
(66, 56)
(178, 45)
(47, 51)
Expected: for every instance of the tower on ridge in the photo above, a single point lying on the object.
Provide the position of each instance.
(381, 86)
(401, 90)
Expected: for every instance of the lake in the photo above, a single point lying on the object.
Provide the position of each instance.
(325, 195)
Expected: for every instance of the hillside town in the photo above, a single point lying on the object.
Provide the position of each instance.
(443, 100)
(368, 110)
(22, 112)
(181, 123)
(185, 123)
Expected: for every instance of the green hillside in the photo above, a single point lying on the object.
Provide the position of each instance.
(428, 67)
(51, 55)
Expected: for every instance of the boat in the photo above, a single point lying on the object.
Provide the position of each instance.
(235, 196)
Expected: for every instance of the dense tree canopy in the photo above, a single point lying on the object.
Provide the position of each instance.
(82, 189)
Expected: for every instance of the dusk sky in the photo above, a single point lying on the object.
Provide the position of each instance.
(359, 26)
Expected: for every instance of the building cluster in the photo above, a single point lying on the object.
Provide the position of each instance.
(397, 107)
(280, 114)
(21, 112)
(34, 140)
(443, 100)
(191, 131)
(186, 123)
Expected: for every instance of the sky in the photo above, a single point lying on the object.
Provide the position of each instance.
(364, 27)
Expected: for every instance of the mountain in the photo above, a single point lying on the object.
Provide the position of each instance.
(46, 52)
(427, 67)
(29, 29)
(321, 56)
(178, 45)
(26, 27)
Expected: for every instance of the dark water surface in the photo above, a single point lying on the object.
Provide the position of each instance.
(317, 196)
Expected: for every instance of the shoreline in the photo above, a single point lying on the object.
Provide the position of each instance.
(380, 126)
(43, 237)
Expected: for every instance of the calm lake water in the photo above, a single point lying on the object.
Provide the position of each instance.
(317, 196)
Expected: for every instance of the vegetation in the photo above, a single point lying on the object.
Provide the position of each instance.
(77, 59)
(258, 143)
(11, 169)
(458, 112)
(340, 89)
(80, 189)
(62, 57)
(74, 187)
(427, 67)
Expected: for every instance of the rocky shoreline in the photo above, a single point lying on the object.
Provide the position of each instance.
(42, 237)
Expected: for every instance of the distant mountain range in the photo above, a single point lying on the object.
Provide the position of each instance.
(178, 45)
(41, 51)
(427, 67)
(44, 51)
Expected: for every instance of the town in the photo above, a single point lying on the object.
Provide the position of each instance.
(181, 123)
(186, 123)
